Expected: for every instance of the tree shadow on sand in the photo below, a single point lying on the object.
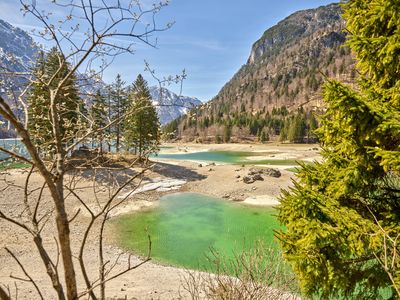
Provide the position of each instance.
(177, 172)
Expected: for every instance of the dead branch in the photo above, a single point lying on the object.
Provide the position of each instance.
(25, 273)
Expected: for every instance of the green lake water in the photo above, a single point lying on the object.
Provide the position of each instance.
(229, 157)
(186, 226)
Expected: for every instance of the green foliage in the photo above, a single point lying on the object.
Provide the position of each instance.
(263, 137)
(170, 130)
(50, 69)
(227, 133)
(141, 125)
(342, 216)
(98, 114)
(297, 128)
(118, 105)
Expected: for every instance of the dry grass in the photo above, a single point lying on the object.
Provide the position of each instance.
(259, 274)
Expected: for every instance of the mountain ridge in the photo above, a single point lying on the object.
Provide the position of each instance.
(172, 106)
(286, 68)
(17, 54)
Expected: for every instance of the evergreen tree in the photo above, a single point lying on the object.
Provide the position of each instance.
(264, 137)
(297, 128)
(227, 133)
(69, 104)
(119, 106)
(342, 217)
(283, 135)
(312, 125)
(109, 137)
(98, 114)
(141, 126)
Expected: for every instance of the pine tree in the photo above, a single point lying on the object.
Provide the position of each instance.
(342, 217)
(98, 114)
(109, 137)
(264, 137)
(297, 128)
(68, 102)
(119, 106)
(227, 133)
(312, 125)
(141, 126)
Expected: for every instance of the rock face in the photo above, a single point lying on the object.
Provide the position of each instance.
(297, 26)
(170, 106)
(16, 47)
(17, 51)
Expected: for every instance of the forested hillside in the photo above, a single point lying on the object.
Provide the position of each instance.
(276, 94)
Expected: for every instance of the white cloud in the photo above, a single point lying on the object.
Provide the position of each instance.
(208, 44)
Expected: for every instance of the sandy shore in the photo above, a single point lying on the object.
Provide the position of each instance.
(150, 281)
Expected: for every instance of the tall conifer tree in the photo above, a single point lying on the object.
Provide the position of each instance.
(99, 118)
(342, 217)
(142, 127)
(119, 106)
(68, 101)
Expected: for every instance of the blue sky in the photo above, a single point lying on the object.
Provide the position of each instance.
(211, 39)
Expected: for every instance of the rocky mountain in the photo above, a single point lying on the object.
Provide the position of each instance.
(171, 106)
(284, 73)
(17, 54)
(17, 50)
(16, 47)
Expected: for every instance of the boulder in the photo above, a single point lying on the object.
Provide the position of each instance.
(248, 179)
(266, 171)
(254, 171)
(272, 172)
(258, 177)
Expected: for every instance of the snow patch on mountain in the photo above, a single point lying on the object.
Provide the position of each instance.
(18, 52)
(170, 105)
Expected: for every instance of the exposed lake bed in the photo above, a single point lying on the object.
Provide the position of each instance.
(223, 182)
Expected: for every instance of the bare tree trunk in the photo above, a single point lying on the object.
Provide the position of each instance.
(118, 125)
(59, 201)
(3, 294)
(66, 253)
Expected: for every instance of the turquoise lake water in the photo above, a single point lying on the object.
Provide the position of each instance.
(186, 226)
(229, 157)
(14, 145)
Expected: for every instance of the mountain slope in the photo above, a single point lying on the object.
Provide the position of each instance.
(18, 52)
(16, 47)
(171, 106)
(286, 68)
